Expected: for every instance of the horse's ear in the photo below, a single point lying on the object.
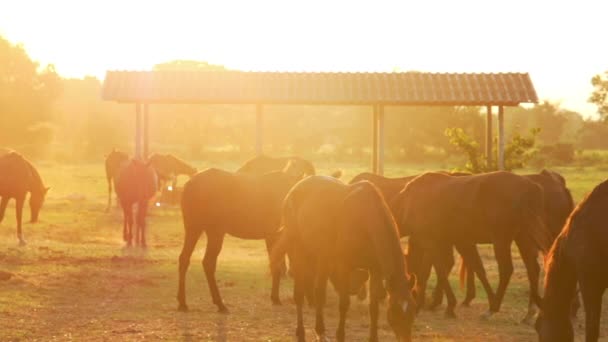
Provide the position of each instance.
(337, 174)
(47, 189)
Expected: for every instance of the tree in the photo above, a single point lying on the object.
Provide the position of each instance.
(599, 94)
(27, 93)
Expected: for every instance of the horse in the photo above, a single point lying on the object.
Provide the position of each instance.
(440, 212)
(558, 204)
(113, 161)
(578, 255)
(220, 202)
(169, 167)
(18, 177)
(135, 184)
(331, 230)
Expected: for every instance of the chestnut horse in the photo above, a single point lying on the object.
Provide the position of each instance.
(135, 184)
(114, 160)
(332, 230)
(220, 202)
(578, 255)
(440, 212)
(18, 177)
(558, 205)
(168, 167)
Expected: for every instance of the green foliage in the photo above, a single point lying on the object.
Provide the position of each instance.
(600, 93)
(518, 151)
(27, 94)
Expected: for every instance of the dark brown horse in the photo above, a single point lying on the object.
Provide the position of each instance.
(579, 254)
(168, 167)
(558, 205)
(441, 212)
(135, 185)
(18, 177)
(330, 231)
(113, 162)
(219, 202)
(262, 164)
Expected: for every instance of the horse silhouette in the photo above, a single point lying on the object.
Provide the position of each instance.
(18, 177)
(220, 202)
(332, 230)
(135, 185)
(578, 255)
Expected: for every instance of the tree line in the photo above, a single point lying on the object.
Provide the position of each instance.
(44, 115)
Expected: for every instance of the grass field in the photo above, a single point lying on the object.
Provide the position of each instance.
(75, 281)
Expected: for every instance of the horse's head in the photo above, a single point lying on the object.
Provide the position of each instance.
(402, 309)
(548, 330)
(36, 201)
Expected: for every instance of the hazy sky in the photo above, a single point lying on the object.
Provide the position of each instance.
(562, 44)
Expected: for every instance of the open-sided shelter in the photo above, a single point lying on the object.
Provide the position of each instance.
(376, 90)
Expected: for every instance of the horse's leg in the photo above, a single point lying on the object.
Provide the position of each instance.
(417, 262)
(320, 290)
(109, 194)
(299, 289)
(3, 204)
(472, 260)
(443, 260)
(19, 210)
(127, 231)
(502, 252)
(470, 279)
(190, 239)
(142, 211)
(344, 303)
(275, 273)
(376, 292)
(215, 240)
(529, 252)
(592, 293)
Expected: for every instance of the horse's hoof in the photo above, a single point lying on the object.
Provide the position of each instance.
(223, 310)
(276, 301)
(450, 314)
(22, 242)
(182, 308)
(529, 319)
(323, 338)
(466, 302)
(487, 315)
(433, 306)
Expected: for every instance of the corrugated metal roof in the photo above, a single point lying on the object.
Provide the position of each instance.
(404, 88)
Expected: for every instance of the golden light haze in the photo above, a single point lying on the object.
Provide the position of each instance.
(561, 44)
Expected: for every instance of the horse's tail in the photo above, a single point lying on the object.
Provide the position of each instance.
(283, 243)
(463, 273)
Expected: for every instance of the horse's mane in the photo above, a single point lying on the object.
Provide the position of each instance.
(555, 256)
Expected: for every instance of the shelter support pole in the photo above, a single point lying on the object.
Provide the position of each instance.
(138, 131)
(489, 136)
(380, 140)
(146, 130)
(375, 140)
(259, 128)
(501, 138)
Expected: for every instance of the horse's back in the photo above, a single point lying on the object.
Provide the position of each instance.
(263, 164)
(16, 175)
(136, 181)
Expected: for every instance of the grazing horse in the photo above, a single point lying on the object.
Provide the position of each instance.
(579, 254)
(558, 205)
(113, 162)
(18, 177)
(168, 167)
(331, 230)
(220, 202)
(136, 184)
(440, 212)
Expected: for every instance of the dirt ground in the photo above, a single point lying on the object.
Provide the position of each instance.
(74, 281)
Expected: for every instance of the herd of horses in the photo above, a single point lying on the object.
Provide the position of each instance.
(349, 234)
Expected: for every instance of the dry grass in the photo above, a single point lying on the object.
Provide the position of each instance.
(74, 280)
